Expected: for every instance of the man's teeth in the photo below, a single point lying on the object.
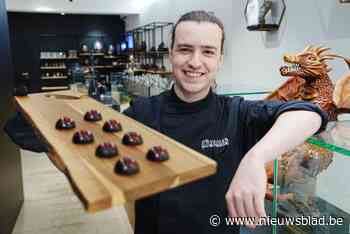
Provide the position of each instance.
(194, 74)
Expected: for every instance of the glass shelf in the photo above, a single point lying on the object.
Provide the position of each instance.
(336, 138)
(313, 179)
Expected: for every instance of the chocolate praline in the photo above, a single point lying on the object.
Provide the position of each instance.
(112, 126)
(132, 138)
(65, 123)
(83, 137)
(126, 166)
(92, 116)
(106, 150)
(157, 154)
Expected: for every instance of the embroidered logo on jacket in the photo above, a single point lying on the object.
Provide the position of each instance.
(206, 143)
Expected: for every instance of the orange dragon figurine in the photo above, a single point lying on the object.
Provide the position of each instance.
(309, 81)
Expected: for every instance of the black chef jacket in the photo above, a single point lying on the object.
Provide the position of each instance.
(223, 129)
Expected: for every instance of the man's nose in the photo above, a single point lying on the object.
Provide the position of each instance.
(195, 60)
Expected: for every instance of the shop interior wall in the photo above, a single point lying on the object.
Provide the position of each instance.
(252, 59)
(30, 33)
(11, 186)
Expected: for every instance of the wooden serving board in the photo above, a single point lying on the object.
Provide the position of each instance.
(93, 179)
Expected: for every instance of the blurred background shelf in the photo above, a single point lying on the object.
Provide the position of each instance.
(52, 68)
(54, 88)
(54, 77)
(91, 54)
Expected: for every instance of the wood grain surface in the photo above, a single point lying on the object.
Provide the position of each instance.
(93, 179)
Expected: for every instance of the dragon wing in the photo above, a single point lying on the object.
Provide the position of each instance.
(341, 94)
(289, 90)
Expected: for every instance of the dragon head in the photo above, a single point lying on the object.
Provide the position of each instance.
(309, 64)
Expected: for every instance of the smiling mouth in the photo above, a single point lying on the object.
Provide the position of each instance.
(290, 69)
(192, 74)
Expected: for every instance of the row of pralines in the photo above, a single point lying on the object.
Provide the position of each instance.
(125, 165)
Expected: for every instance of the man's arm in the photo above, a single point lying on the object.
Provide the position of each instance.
(245, 196)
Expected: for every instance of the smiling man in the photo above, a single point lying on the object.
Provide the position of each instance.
(241, 136)
(195, 59)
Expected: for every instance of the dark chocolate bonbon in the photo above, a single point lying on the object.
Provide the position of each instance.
(65, 123)
(157, 154)
(106, 150)
(126, 166)
(83, 137)
(112, 126)
(92, 116)
(132, 138)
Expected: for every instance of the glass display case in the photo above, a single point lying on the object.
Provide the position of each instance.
(310, 184)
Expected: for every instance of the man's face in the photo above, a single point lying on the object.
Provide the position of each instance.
(196, 57)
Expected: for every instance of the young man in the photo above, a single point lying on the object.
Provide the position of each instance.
(241, 136)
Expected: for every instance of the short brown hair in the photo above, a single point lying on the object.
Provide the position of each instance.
(200, 16)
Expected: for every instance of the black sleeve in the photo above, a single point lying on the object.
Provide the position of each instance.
(138, 109)
(23, 135)
(145, 110)
(130, 112)
(258, 117)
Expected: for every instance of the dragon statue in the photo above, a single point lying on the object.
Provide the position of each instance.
(309, 81)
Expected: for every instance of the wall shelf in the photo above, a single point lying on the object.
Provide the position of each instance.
(150, 46)
(91, 54)
(47, 58)
(153, 72)
(54, 77)
(50, 88)
(115, 57)
(65, 58)
(52, 68)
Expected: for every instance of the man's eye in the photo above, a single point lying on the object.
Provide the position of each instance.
(184, 50)
(209, 52)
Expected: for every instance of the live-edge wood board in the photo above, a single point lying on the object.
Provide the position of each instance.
(93, 179)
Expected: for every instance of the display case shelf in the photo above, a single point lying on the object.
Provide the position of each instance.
(315, 177)
(339, 132)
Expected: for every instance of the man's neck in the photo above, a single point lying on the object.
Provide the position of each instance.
(189, 97)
